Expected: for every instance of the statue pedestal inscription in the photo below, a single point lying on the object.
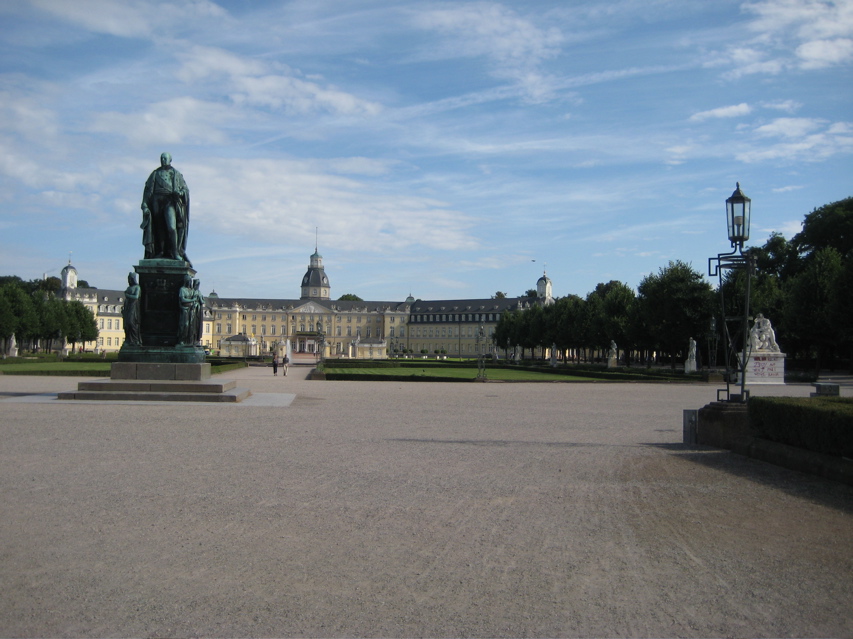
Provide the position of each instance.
(765, 368)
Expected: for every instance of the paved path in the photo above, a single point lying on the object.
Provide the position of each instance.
(401, 509)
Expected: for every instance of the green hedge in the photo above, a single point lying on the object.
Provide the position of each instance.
(819, 424)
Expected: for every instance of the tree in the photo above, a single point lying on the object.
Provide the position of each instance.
(829, 226)
(531, 292)
(350, 297)
(26, 322)
(499, 295)
(81, 326)
(811, 312)
(675, 304)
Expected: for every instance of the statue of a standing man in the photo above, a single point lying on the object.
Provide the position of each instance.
(130, 311)
(165, 213)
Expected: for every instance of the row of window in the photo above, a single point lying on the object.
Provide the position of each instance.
(458, 317)
(338, 318)
(449, 331)
(367, 331)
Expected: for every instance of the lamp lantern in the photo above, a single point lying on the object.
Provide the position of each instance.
(737, 215)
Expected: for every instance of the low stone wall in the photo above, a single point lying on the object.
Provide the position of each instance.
(726, 425)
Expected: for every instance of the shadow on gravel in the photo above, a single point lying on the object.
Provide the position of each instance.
(823, 491)
(506, 442)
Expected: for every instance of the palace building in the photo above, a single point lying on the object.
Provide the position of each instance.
(317, 324)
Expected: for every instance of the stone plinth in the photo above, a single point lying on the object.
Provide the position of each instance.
(143, 381)
(765, 367)
(160, 283)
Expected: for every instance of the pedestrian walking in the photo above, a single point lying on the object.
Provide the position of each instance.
(285, 361)
(275, 365)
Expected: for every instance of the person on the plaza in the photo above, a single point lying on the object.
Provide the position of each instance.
(285, 362)
(275, 364)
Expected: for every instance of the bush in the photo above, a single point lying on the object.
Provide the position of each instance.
(820, 424)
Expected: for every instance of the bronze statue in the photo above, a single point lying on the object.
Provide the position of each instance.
(130, 311)
(198, 310)
(165, 213)
(186, 323)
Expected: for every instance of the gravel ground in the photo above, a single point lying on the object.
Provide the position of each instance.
(408, 510)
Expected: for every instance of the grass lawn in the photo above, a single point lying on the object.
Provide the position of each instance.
(462, 374)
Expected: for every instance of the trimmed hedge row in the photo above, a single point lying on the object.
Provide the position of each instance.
(820, 424)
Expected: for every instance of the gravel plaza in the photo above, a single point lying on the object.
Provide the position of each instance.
(365, 509)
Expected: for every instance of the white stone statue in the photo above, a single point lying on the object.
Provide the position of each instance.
(690, 364)
(762, 337)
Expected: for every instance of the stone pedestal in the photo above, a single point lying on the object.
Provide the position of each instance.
(765, 367)
(160, 282)
(161, 382)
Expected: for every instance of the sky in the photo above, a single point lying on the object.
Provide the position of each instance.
(447, 150)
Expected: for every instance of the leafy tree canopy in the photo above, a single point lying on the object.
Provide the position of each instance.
(350, 297)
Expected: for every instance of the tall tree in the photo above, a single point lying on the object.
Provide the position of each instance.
(810, 314)
(676, 304)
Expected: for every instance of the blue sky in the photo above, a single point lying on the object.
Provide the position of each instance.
(443, 149)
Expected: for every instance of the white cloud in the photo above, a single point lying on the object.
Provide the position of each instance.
(515, 46)
(733, 111)
(789, 127)
(810, 34)
(299, 96)
(255, 83)
(273, 200)
(818, 54)
(130, 18)
(802, 139)
(180, 120)
(789, 106)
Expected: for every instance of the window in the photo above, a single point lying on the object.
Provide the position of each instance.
(219, 328)
(263, 318)
(254, 329)
(263, 329)
(228, 328)
(118, 325)
(402, 332)
(109, 341)
(272, 329)
(392, 319)
(349, 331)
(392, 332)
(254, 318)
(338, 332)
(101, 323)
(228, 317)
(109, 324)
(244, 318)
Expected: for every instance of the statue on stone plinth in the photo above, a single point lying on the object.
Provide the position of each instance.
(165, 213)
(762, 337)
(130, 311)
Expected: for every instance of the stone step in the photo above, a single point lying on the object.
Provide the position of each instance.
(157, 386)
(230, 396)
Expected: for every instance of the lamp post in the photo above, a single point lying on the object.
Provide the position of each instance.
(738, 212)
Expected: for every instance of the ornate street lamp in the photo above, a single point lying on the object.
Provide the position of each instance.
(737, 214)
(738, 210)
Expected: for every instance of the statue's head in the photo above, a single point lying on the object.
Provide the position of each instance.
(165, 159)
(196, 284)
(131, 279)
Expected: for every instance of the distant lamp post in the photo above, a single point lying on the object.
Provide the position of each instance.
(737, 214)
(738, 211)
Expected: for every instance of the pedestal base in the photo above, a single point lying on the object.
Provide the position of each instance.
(161, 354)
(765, 368)
(160, 382)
